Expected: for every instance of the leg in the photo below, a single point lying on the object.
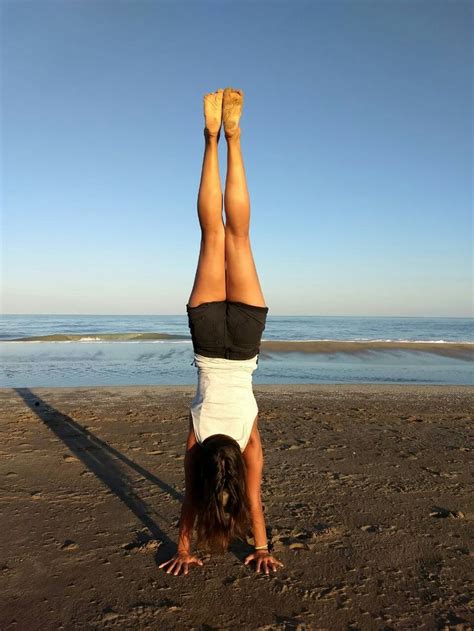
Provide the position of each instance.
(242, 280)
(209, 281)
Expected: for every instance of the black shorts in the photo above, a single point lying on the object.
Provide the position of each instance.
(224, 328)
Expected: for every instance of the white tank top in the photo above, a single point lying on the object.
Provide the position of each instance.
(224, 402)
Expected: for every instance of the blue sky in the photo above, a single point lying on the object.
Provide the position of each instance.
(357, 139)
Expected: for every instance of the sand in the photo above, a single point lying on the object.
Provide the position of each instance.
(366, 491)
(456, 350)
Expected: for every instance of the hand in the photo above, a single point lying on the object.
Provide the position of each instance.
(181, 560)
(263, 557)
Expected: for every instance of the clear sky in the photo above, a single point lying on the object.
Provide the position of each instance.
(357, 139)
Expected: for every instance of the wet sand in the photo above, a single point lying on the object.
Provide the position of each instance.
(366, 491)
(461, 350)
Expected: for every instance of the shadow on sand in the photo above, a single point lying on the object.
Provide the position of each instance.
(107, 464)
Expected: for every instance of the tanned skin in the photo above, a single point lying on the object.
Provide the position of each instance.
(225, 271)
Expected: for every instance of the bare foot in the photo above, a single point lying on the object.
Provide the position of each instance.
(213, 112)
(231, 111)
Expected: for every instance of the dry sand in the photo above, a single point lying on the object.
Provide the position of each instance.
(366, 491)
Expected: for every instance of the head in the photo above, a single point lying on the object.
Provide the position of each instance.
(221, 494)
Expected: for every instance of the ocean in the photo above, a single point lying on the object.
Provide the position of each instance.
(95, 350)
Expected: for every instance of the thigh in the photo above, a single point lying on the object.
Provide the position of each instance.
(245, 325)
(242, 282)
(209, 281)
(207, 323)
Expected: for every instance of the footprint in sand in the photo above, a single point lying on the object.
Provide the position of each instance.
(108, 615)
(70, 458)
(230, 580)
(143, 543)
(298, 545)
(371, 528)
(298, 509)
(302, 539)
(431, 470)
(438, 511)
(69, 545)
(290, 447)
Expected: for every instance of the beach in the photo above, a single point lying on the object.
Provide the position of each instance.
(366, 491)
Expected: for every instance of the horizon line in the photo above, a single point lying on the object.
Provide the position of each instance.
(279, 315)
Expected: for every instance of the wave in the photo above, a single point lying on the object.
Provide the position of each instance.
(101, 337)
(458, 350)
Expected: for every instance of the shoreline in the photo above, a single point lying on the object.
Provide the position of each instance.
(365, 349)
(365, 388)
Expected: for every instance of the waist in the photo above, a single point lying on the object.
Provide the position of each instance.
(213, 387)
(229, 406)
(224, 365)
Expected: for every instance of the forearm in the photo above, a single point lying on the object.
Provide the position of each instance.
(258, 522)
(186, 525)
(254, 467)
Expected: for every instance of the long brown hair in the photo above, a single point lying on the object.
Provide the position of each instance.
(222, 507)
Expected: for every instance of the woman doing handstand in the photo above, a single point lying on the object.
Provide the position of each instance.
(226, 314)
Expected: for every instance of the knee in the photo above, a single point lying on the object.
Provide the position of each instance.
(238, 234)
(213, 233)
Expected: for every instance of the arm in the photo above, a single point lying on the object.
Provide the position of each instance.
(183, 557)
(188, 510)
(253, 458)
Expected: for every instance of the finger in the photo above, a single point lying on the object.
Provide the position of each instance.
(170, 569)
(186, 568)
(267, 570)
(259, 563)
(167, 562)
(178, 568)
